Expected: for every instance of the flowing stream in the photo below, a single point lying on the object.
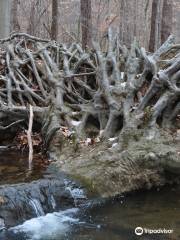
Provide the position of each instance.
(112, 220)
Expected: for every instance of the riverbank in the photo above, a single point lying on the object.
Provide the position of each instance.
(107, 170)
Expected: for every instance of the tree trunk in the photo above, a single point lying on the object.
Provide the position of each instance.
(54, 24)
(31, 25)
(156, 25)
(14, 16)
(4, 18)
(134, 18)
(153, 26)
(86, 23)
(126, 23)
(166, 22)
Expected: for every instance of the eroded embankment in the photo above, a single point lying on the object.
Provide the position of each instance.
(108, 170)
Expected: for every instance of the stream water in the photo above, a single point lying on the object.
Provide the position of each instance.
(115, 220)
(14, 167)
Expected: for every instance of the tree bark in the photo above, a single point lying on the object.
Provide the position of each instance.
(166, 22)
(14, 16)
(54, 24)
(156, 25)
(134, 18)
(153, 26)
(32, 18)
(4, 18)
(86, 23)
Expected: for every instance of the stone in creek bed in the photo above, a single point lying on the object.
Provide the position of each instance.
(16, 208)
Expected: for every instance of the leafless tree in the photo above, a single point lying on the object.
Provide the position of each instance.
(134, 21)
(153, 25)
(54, 24)
(161, 22)
(5, 6)
(35, 17)
(87, 19)
(14, 16)
(86, 22)
(166, 22)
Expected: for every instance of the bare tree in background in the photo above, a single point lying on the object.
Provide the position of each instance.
(36, 16)
(54, 25)
(161, 22)
(150, 21)
(134, 21)
(32, 19)
(86, 23)
(167, 21)
(14, 16)
(5, 6)
(152, 41)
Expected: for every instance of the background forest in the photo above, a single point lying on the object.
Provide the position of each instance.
(150, 21)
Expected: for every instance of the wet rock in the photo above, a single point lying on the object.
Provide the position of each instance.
(20, 202)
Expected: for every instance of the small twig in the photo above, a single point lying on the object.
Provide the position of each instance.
(10, 125)
(29, 133)
(80, 74)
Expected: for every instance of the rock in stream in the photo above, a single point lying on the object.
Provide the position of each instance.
(23, 201)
